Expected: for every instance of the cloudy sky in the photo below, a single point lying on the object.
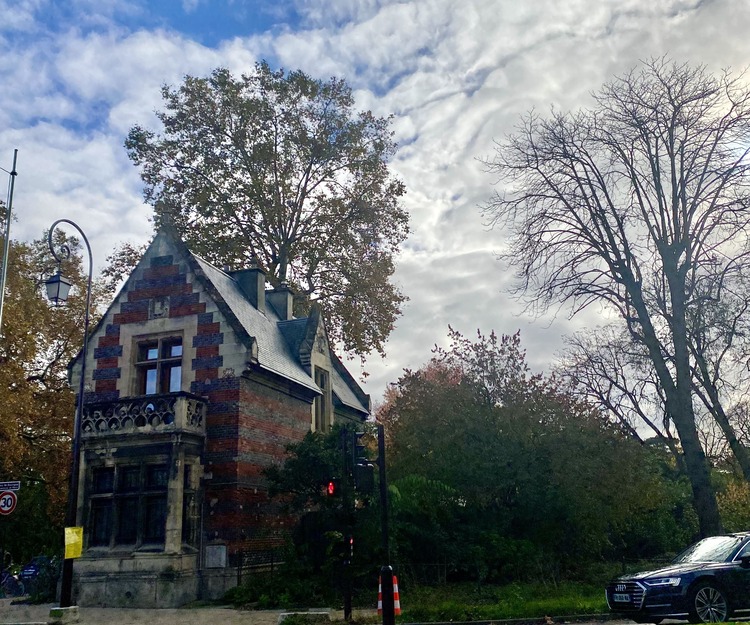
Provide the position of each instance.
(456, 75)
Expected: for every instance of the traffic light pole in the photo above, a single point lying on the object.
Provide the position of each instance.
(351, 461)
(347, 591)
(383, 495)
(348, 503)
(386, 572)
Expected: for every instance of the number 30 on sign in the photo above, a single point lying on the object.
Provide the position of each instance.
(8, 501)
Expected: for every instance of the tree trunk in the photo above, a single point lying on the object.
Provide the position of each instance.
(680, 408)
(283, 263)
(697, 468)
(717, 410)
(679, 403)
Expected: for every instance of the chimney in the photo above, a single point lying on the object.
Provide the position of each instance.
(282, 300)
(253, 284)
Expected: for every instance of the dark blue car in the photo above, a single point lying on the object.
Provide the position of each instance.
(708, 582)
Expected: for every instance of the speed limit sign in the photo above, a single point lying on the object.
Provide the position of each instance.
(8, 501)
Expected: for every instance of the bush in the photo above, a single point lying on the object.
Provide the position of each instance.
(43, 588)
(734, 503)
(281, 589)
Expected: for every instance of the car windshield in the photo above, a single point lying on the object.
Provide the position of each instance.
(712, 549)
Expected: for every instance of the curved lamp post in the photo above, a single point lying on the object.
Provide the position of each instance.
(57, 290)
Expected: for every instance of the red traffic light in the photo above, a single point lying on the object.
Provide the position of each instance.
(333, 489)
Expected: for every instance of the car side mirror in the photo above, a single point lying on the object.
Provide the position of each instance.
(745, 561)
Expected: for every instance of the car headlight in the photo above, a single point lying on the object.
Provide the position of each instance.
(663, 581)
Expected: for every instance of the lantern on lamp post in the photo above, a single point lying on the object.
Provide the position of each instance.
(58, 288)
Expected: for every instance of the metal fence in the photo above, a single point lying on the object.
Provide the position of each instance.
(255, 561)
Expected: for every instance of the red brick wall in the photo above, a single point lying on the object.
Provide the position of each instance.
(162, 278)
(248, 423)
(238, 509)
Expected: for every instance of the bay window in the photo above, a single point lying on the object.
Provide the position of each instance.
(128, 505)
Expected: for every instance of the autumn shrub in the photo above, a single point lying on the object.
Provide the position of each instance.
(734, 504)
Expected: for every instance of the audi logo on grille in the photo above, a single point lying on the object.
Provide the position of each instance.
(620, 588)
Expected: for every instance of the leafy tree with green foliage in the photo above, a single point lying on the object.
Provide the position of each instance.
(279, 169)
(37, 405)
(522, 480)
(118, 267)
(319, 547)
(734, 502)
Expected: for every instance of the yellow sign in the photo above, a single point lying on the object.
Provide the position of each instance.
(73, 542)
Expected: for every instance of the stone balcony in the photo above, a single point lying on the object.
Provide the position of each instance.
(174, 412)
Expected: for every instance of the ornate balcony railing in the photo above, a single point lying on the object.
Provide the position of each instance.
(148, 413)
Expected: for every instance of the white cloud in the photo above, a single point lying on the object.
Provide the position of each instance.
(455, 73)
(189, 6)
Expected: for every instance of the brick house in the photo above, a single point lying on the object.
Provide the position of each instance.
(196, 380)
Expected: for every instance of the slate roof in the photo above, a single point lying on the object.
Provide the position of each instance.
(294, 331)
(278, 341)
(274, 353)
(344, 392)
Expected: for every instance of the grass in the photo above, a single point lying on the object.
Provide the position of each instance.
(468, 602)
(448, 602)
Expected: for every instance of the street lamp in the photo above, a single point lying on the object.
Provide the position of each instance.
(57, 290)
(58, 287)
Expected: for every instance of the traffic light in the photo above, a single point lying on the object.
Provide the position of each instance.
(342, 546)
(364, 478)
(333, 487)
(359, 451)
(362, 468)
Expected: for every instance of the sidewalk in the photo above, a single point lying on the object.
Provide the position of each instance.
(22, 613)
(37, 615)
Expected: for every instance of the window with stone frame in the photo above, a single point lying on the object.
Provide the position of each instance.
(101, 506)
(159, 365)
(190, 509)
(322, 406)
(128, 505)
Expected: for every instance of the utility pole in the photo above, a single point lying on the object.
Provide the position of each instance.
(6, 247)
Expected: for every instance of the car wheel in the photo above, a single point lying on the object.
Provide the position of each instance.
(708, 604)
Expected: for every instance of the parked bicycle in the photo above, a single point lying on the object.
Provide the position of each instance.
(10, 585)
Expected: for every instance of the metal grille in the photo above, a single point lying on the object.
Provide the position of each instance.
(634, 590)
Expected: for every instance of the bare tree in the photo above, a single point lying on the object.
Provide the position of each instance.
(718, 331)
(637, 203)
(607, 368)
(713, 440)
(739, 417)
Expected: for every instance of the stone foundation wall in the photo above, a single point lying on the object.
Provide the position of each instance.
(143, 580)
(214, 583)
(153, 590)
(137, 589)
